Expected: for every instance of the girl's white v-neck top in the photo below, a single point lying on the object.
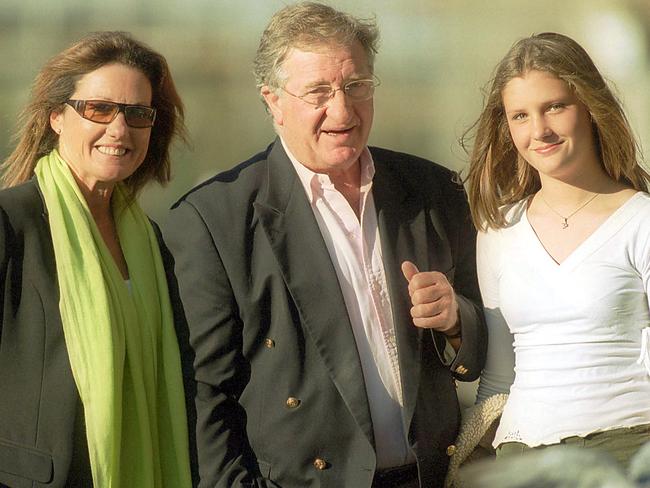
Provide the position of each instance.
(576, 333)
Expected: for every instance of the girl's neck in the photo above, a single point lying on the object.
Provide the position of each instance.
(576, 190)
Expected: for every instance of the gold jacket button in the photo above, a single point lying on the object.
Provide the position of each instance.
(461, 369)
(292, 402)
(320, 464)
(269, 343)
(451, 450)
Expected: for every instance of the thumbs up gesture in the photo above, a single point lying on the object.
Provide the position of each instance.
(433, 299)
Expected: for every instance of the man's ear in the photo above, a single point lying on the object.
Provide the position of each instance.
(273, 103)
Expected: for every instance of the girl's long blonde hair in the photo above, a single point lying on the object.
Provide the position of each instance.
(498, 175)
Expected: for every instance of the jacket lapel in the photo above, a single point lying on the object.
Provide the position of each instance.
(294, 235)
(403, 230)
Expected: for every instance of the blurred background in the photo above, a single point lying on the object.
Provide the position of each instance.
(434, 58)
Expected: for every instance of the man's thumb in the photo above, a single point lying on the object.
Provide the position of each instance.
(409, 270)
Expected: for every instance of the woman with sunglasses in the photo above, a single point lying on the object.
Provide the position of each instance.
(92, 391)
(563, 250)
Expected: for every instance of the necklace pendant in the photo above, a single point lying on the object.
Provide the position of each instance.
(565, 223)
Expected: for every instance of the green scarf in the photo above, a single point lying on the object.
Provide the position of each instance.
(121, 342)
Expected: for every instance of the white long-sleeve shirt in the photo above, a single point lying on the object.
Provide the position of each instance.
(576, 333)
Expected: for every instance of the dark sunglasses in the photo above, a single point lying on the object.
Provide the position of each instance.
(104, 112)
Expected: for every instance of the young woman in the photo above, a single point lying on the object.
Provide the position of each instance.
(92, 393)
(560, 202)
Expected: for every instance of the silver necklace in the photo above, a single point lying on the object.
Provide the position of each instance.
(565, 219)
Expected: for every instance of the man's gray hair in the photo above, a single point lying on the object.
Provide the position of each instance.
(308, 25)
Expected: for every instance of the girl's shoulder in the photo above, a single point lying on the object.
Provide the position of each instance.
(514, 214)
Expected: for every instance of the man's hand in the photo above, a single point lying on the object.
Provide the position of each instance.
(433, 299)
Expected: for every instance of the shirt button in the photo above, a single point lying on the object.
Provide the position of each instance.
(451, 450)
(320, 464)
(292, 402)
(270, 343)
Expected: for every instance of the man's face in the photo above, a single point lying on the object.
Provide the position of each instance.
(327, 139)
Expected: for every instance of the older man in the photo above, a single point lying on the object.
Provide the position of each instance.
(317, 362)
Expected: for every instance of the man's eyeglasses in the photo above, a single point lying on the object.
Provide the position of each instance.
(355, 90)
(104, 112)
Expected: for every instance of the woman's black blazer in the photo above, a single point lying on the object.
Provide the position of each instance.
(39, 402)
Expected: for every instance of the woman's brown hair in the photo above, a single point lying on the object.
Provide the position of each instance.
(55, 84)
